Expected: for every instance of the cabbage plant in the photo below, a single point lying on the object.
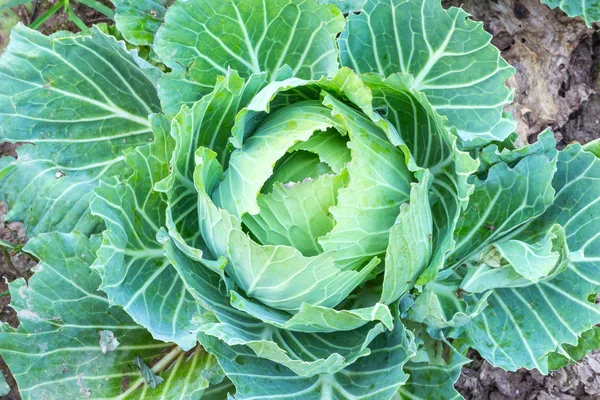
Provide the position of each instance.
(283, 202)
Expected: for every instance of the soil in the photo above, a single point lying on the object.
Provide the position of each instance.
(480, 380)
(556, 85)
(61, 22)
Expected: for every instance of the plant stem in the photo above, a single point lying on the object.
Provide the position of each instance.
(101, 8)
(36, 24)
(73, 17)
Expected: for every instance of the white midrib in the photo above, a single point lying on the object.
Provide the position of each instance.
(434, 58)
(251, 50)
(114, 110)
(111, 107)
(123, 135)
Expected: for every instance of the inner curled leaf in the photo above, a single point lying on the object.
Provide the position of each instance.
(148, 374)
(297, 155)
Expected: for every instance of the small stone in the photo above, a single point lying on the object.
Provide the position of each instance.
(594, 365)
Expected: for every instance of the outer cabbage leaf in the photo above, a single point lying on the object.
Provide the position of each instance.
(440, 305)
(433, 376)
(176, 89)
(306, 354)
(135, 272)
(517, 263)
(588, 342)
(419, 131)
(138, 21)
(589, 10)
(451, 59)
(250, 36)
(56, 351)
(543, 317)
(80, 101)
(505, 199)
(376, 376)
(506, 153)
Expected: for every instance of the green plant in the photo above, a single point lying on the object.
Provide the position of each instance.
(67, 8)
(321, 230)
